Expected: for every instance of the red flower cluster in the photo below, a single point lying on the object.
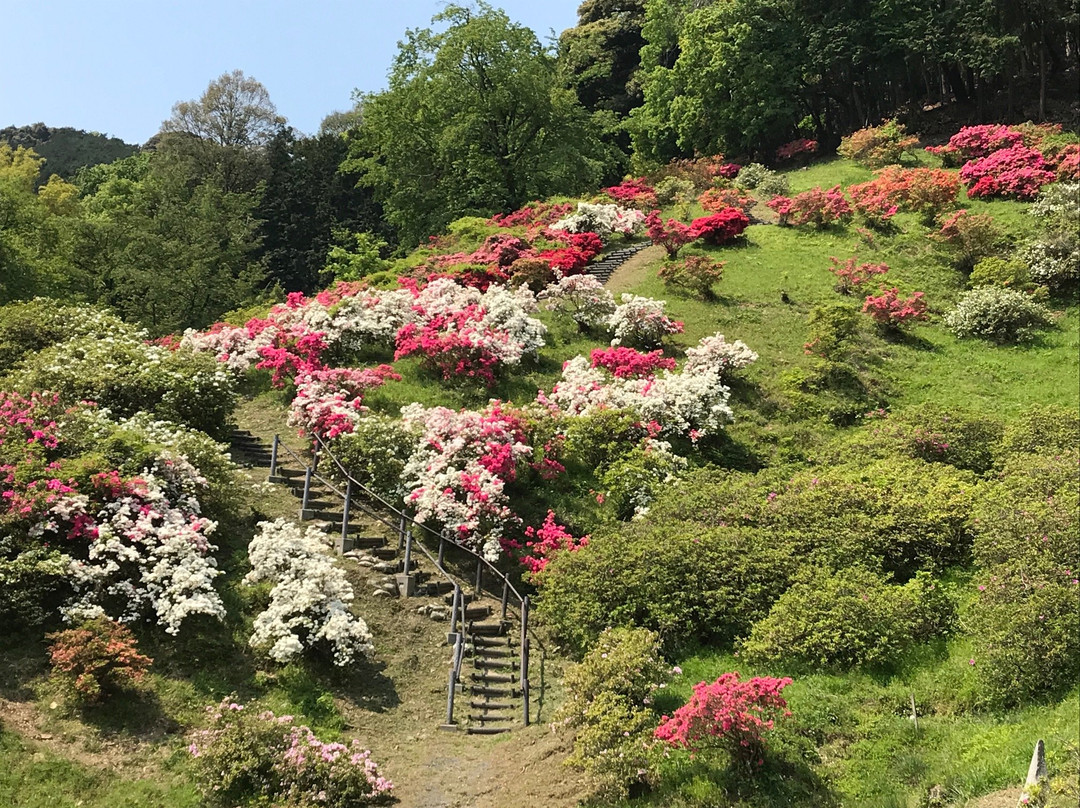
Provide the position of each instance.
(974, 142)
(850, 275)
(623, 362)
(727, 712)
(1017, 171)
(535, 215)
(721, 227)
(715, 200)
(796, 148)
(816, 206)
(547, 540)
(636, 193)
(890, 309)
(920, 190)
(670, 235)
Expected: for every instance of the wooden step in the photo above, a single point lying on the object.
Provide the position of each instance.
(493, 678)
(497, 692)
(495, 664)
(487, 629)
(486, 730)
(477, 612)
(488, 652)
(487, 719)
(493, 705)
(498, 641)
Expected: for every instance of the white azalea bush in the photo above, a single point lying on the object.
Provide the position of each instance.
(641, 321)
(997, 314)
(582, 297)
(604, 220)
(309, 596)
(714, 354)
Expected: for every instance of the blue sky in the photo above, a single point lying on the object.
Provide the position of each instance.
(118, 66)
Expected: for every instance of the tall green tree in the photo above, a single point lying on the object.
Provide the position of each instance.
(475, 121)
(601, 54)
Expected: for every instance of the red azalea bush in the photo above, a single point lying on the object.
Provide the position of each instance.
(719, 228)
(96, 659)
(672, 235)
(623, 362)
(728, 712)
(974, 142)
(535, 215)
(873, 201)
(889, 309)
(816, 206)
(927, 191)
(850, 275)
(715, 200)
(696, 274)
(728, 171)
(802, 147)
(1068, 163)
(635, 193)
(544, 542)
(1018, 172)
(446, 344)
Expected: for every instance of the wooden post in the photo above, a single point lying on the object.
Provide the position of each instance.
(506, 595)
(442, 547)
(479, 576)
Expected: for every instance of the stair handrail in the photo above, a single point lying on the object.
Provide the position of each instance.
(322, 449)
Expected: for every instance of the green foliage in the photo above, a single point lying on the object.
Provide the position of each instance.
(65, 150)
(832, 329)
(964, 439)
(696, 274)
(674, 190)
(997, 314)
(996, 271)
(1044, 428)
(767, 182)
(33, 585)
(688, 585)
(599, 56)
(877, 146)
(375, 453)
(633, 480)
(609, 695)
(363, 257)
(848, 618)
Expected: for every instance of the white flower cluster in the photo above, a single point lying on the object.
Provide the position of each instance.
(309, 599)
(583, 297)
(457, 473)
(602, 220)
(1052, 263)
(150, 553)
(234, 346)
(372, 317)
(641, 321)
(716, 355)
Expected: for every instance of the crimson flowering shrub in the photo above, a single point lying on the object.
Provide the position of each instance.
(534, 215)
(544, 542)
(730, 713)
(624, 362)
(800, 148)
(974, 142)
(872, 201)
(672, 235)
(927, 191)
(721, 227)
(696, 274)
(817, 206)
(850, 275)
(715, 200)
(1017, 171)
(890, 310)
(877, 146)
(1068, 163)
(96, 659)
(637, 193)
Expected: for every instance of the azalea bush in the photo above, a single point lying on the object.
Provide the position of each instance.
(543, 543)
(816, 207)
(1014, 172)
(729, 713)
(721, 227)
(641, 321)
(96, 659)
(604, 220)
(672, 235)
(309, 597)
(713, 354)
(968, 237)
(877, 146)
(252, 756)
(800, 148)
(974, 142)
(636, 193)
(925, 191)
(850, 274)
(997, 314)
(30, 326)
(892, 311)
(624, 362)
(766, 181)
(329, 402)
(715, 200)
(583, 297)
(696, 274)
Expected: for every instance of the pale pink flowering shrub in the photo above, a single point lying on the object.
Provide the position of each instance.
(715, 355)
(583, 297)
(328, 403)
(641, 321)
(850, 275)
(816, 207)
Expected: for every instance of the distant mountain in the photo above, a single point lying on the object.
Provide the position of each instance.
(66, 150)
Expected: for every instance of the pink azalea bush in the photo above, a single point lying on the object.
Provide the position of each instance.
(729, 713)
(624, 362)
(889, 309)
(850, 275)
(545, 542)
(1017, 172)
(801, 147)
(817, 207)
(636, 193)
(672, 235)
(721, 227)
(329, 402)
(641, 321)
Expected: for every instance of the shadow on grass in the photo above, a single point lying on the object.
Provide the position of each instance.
(134, 714)
(895, 336)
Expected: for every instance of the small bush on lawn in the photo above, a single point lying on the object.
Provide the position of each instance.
(816, 207)
(965, 440)
(720, 228)
(96, 659)
(850, 274)
(696, 274)
(889, 310)
(608, 704)
(877, 146)
(673, 190)
(767, 182)
(1053, 261)
(1045, 429)
(997, 314)
(253, 757)
(995, 271)
(969, 237)
(848, 618)
(715, 200)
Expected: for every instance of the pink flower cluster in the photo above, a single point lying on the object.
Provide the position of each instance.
(545, 542)
(889, 309)
(974, 142)
(816, 206)
(329, 401)
(850, 275)
(624, 362)
(729, 712)
(1017, 171)
(796, 148)
(636, 193)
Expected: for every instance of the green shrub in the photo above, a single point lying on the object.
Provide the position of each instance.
(767, 182)
(608, 704)
(696, 274)
(33, 585)
(1043, 429)
(26, 328)
(832, 327)
(673, 190)
(997, 314)
(375, 454)
(633, 480)
(127, 376)
(995, 271)
(877, 146)
(966, 440)
(848, 618)
(689, 585)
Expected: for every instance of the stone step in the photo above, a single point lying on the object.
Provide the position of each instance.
(484, 718)
(493, 705)
(368, 542)
(486, 730)
(384, 553)
(493, 678)
(291, 474)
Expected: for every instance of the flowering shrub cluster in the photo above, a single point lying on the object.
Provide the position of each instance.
(818, 207)
(329, 402)
(975, 142)
(765, 180)
(877, 146)
(248, 755)
(721, 227)
(96, 659)
(544, 542)
(700, 172)
(626, 362)
(715, 200)
(696, 274)
(799, 148)
(457, 474)
(604, 220)
(997, 314)
(927, 191)
(672, 235)
(309, 597)
(637, 193)
(850, 274)
(1014, 172)
(728, 712)
(715, 355)
(889, 309)
(583, 297)
(534, 216)
(641, 321)
(969, 236)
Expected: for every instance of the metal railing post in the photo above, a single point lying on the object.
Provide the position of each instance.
(307, 491)
(525, 658)
(505, 597)
(408, 548)
(345, 515)
(479, 577)
(442, 549)
(273, 457)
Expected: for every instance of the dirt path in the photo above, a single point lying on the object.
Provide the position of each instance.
(633, 270)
